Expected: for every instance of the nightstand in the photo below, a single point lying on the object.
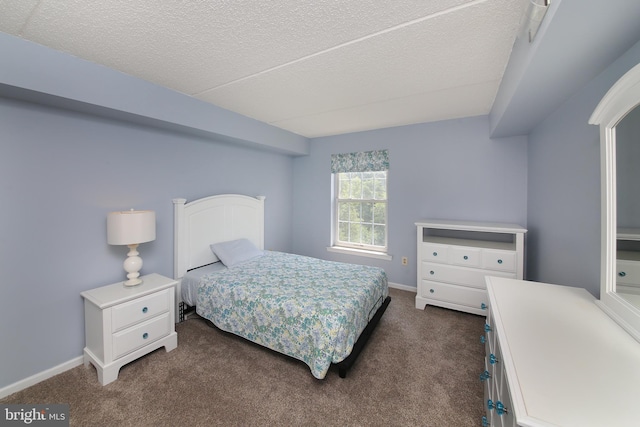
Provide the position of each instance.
(125, 323)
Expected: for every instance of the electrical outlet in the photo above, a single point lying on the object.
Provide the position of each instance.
(405, 260)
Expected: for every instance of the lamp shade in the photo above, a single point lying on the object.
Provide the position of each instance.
(131, 227)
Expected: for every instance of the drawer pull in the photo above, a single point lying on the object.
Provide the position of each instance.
(145, 309)
(485, 376)
(435, 254)
(465, 257)
(500, 408)
(432, 272)
(145, 336)
(483, 306)
(622, 274)
(483, 339)
(431, 291)
(487, 328)
(485, 422)
(493, 359)
(499, 261)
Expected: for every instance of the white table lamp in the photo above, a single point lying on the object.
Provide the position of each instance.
(131, 228)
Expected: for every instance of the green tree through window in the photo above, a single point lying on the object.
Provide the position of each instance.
(361, 206)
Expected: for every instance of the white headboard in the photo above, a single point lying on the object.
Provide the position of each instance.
(213, 219)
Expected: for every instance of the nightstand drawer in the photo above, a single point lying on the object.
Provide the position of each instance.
(140, 309)
(140, 335)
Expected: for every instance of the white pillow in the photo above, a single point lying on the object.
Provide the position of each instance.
(234, 252)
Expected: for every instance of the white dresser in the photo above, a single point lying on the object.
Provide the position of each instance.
(124, 323)
(455, 256)
(554, 358)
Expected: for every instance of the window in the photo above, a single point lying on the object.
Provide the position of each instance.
(362, 210)
(360, 200)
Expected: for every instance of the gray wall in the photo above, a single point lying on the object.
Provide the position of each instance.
(61, 173)
(448, 170)
(564, 187)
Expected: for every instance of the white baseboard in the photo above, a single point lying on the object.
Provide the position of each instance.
(403, 287)
(35, 379)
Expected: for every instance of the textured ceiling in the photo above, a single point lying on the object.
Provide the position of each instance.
(314, 68)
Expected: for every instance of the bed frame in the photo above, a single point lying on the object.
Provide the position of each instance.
(220, 218)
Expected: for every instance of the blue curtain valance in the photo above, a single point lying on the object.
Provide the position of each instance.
(362, 161)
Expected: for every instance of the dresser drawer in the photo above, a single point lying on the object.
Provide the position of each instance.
(434, 252)
(462, 295)
(628, 272)
(140, 309)
(487, 381)
(500, 408)
(498, 404)
(490, 335)
(140, 335)
(625, 288)
(499, 260)
(465, 256)
(496, 368)
(459, 275)
(507, 418)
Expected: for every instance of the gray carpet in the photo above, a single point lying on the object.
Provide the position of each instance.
(420, 368)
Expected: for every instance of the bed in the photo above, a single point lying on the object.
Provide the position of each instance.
(320, 312)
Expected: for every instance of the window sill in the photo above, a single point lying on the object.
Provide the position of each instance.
(360, 252)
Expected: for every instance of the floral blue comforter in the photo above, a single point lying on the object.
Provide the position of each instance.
(311, 309)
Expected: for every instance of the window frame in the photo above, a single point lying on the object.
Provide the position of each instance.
(337, 244)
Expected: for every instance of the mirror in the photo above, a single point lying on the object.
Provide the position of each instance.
(627, 145)
(620, 302)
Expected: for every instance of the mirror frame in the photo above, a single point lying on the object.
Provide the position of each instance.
(623, 97)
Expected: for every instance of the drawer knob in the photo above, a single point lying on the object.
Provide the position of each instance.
(145, 336)
(483, 339)
(145, 309)
(483, 306)
(493, 359)
(432, 272)
(622, 274)
(435, 254)
(485, 376)
(490, 404)
(465, 257)
(500, 408)
(499, 261)
(487, 328)
(431, 291)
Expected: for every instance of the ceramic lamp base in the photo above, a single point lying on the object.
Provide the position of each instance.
(132, 266)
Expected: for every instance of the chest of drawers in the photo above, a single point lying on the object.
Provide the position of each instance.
(554, 358)
(455, 256)
(125, 323)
